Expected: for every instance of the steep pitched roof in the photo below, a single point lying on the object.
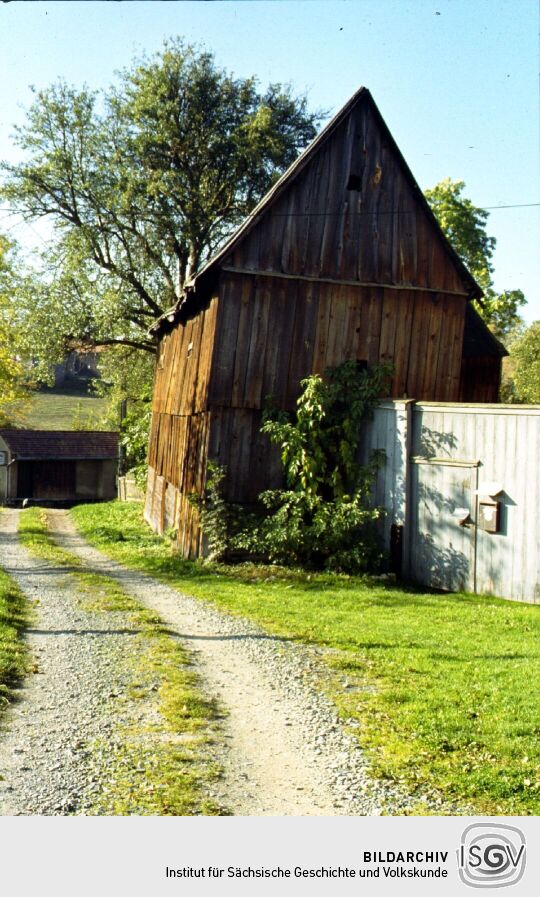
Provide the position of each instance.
(61, 445)
(187, 303)
(478, 338)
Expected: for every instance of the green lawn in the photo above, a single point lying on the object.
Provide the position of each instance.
(14, 616)
(62, 411)
(443, 687)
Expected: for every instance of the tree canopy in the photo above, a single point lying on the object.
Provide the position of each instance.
(465, 226)
(142, 182)
(12, 373)
(525, 365)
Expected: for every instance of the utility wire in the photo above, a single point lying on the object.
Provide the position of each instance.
(326, 213)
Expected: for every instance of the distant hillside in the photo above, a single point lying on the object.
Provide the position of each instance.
(63, 410)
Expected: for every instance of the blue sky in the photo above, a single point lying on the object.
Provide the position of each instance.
(455, 80)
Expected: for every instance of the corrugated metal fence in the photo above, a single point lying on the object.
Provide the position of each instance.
(460, 486)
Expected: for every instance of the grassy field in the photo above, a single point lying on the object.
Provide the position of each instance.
(441, 688)
(14, 658)
(176, 752)
(62, 411)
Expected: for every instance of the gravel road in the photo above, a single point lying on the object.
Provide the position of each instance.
(69, 701)
(284, 750)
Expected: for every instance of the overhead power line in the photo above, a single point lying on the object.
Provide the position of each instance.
(521, 205)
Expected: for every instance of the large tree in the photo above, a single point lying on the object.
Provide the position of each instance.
(141, 183)
(13, 376)
(523, 368)
(465, 226)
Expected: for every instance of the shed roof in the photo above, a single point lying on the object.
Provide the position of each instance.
(361, 96)
(478, 339)
(49, 445)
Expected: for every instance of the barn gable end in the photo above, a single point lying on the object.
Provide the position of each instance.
(352, 213)
(343, 259)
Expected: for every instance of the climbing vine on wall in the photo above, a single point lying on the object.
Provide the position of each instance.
(323, 517)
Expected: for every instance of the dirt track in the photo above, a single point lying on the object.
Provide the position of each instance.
(284, 751)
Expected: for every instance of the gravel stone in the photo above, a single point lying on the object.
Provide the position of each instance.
(64, 706)
(283, 750)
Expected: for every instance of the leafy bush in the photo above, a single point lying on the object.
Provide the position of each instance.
(525, 355)
(301, 528)
(323, 518)
(222, 522)
(134, 430)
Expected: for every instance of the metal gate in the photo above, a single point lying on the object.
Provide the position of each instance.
(480, 458)
(443, 503)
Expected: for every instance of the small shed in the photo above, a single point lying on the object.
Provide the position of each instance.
(342, 260)
(58, 465)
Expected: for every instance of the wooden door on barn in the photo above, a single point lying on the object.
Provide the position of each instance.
(442, 543)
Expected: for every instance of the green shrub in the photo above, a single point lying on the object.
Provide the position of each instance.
(323, 518)
(222, 522)
(134, 429)
(303, 529)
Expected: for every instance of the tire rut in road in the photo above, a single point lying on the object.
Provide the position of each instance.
(286, 752)
(47, 766)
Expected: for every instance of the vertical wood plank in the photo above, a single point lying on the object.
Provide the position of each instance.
(304, 328)
(226, 341)
(258, 344)
(245, 324)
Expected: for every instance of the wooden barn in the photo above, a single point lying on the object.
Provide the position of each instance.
(342, 259)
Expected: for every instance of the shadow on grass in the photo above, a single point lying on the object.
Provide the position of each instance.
(84, 631)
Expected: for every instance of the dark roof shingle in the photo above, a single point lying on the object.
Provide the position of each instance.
(85, 445)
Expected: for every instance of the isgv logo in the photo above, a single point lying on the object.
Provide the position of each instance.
(491, 855)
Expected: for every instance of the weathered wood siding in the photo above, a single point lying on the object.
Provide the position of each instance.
(178, 442)
(8, 483)
(256, 343)
(480, 379)
(180, 447)
(184, 365)
(177, 460)
(378, 233)
(343, 262)
(271, 333)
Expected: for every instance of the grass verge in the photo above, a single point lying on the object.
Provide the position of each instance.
(163, 764)
(439, 687)
(15, 615)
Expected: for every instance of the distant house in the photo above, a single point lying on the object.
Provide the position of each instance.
(78, 368)
(342, 259)
(58, 465)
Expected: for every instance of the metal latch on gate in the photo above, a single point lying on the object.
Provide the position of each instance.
(463, 516)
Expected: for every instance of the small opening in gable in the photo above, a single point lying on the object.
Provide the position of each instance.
(354, 182)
